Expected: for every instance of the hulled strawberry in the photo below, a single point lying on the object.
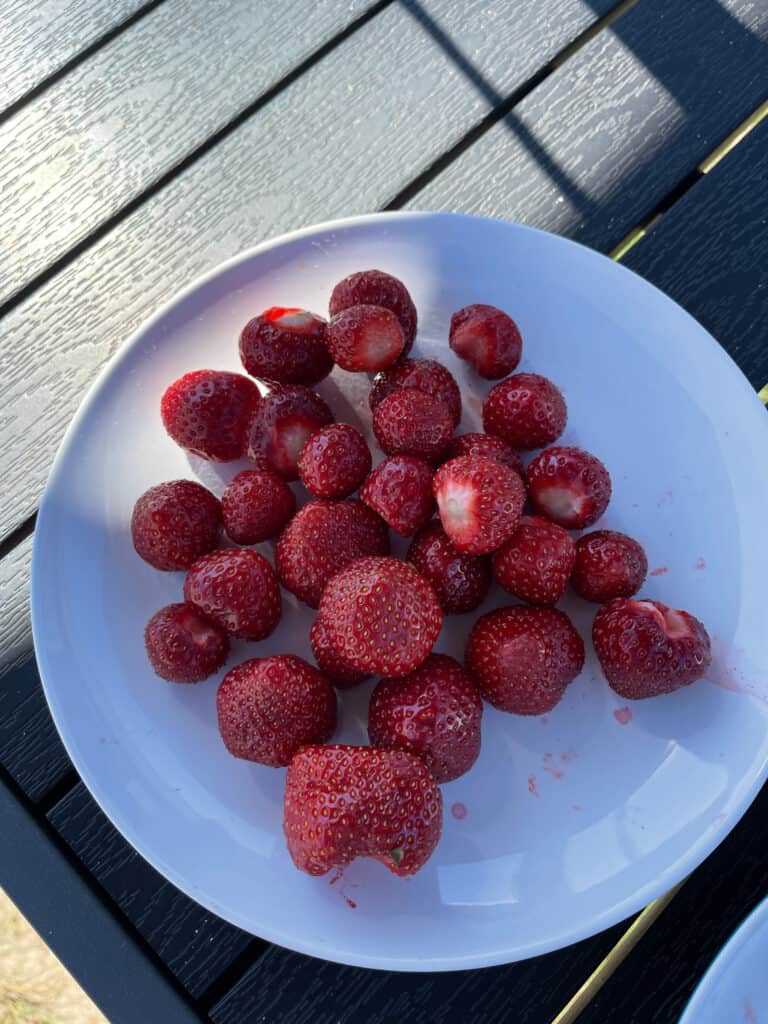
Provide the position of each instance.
(286, 346)
(568, 486)
(479, 501)
(237, 588)
(256, 505)
(377, 288)
(487, 338)
(183, 646)
(399, 489)
(174, 523)
(207, 412)
(608, 564)
(461, 581)
(365, 338)
(411, 422)
(281, 424)
(526, 410)
(334, 461)
(536, 562)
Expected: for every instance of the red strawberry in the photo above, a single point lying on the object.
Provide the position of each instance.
(646, 649)
(434, 712)
(608, 564)
(207, 412)
(334, 461)
(460, 581)
(256, 505)
(174, 523)
(422, 374)
(400, 490)
(480, 501)
(536, 562)
(365, 338)
(381, 615)
(347, 802)
(281, 424)
(524, 658)
(487, 338)
(568, 486)
(527, 410)
(286, 346)
(237, 589)
(329, 661)
(183, 646)
(323, 538)
(269, 707)
(411, 422)
(487, 445)
(375, 288)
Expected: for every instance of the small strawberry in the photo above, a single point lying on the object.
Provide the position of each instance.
(536, 562)
(256, 505)
(323, 538)
(460, 581)
(487, 445)
(400, 490)
(422, 374)
(411, 422)
(173, 524)
(381, 615)
(347, 802)
(207, 412)
(183, 646)
(646, 649)
(480, 501)
(237, 589)
(269, 707)
(375, 288)
(568, 486)
(524, 658)
(281, 424)
(334, 461)
(286, 346)
(364, 339)
(434, 712)
(330, 661)
(608, 564)
(527, 410)
(487, 338)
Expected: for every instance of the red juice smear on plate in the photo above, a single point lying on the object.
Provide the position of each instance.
(623, 715)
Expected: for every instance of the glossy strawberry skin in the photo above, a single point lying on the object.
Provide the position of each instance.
(399, 489)
(334, 461)
(281, 423)
(526, 410)
(647, 649)
(608, 564)
(536, 562)
(207, 412)
(523, 658)
(377, 288)
(487, 445)
(422, 374)
(184, 646)
(343, 802)
(461, 581)
(329, 661)
(486, 337)
(479, 501)
(569, 486)
(237, 589)
(364, 339)
(286, 346)
(256, 505)
(434, 712)
(411, 422)
(174, 523)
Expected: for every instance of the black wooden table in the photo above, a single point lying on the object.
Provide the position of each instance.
(144, 142)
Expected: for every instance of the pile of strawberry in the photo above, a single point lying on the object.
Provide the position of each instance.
(378, 615)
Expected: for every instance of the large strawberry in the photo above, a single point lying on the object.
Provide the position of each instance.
(608, 564)
(237, 588)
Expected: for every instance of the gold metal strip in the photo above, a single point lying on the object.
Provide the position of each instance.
(734, 138)
(762, 394)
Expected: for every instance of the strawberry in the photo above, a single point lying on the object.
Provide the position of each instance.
(365, 338)
(183, 646)
(375, 288)
(334, 461)
(608, 564)
(237, 589)
(207, 412)
(269, 707)
(411, 422)
(480, 501)
(422, 374)
(281, 424)
(329, 660)
(381, 616)
(524, 658)
(460, 581)
(256, 505)
(487, 445)
(174, 523)
(323, 538)
(536, 562)
(646, 649)
(527, 410)
(347, 802)
(286, 346)
(568, 486)
(400, 490)
(487, 338)
(434, 712)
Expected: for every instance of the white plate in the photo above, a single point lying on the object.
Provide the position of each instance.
(573, 821)
(735, 987)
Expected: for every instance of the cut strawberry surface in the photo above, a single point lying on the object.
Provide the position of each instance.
(480, 501)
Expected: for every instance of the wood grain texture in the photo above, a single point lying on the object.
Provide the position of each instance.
(36, 39)
(263, 179)
(196, 945)
(285, 986)
(594, 148)
(15, 627)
